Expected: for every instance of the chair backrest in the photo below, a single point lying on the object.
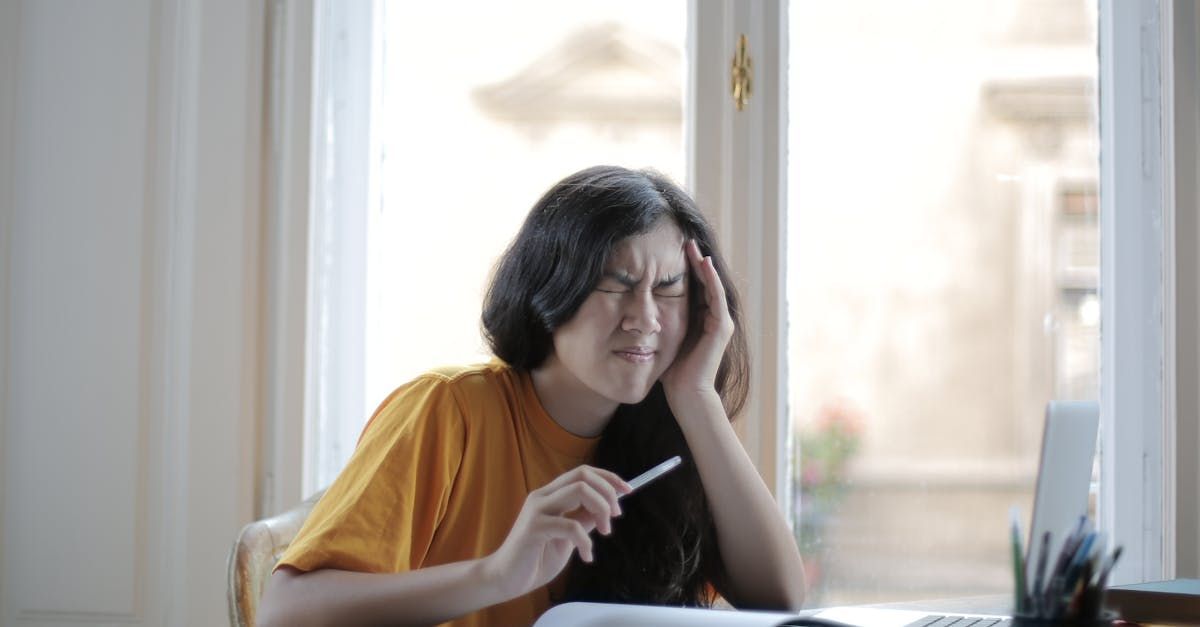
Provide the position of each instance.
(255, 553)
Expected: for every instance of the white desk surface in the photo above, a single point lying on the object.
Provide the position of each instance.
(617, 615)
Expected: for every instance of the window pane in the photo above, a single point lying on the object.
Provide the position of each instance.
(943, 257)
(484, 105)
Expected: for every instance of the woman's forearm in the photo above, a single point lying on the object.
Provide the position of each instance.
(760, 554)
(553, 525)
(419, 597)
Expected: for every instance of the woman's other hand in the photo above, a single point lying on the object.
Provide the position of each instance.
(695, 369)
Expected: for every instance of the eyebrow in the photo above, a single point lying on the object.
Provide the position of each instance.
(629, 280)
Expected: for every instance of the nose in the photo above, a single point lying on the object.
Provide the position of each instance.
(641, 314)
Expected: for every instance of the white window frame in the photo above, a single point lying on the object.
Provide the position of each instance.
(737, 171)
(1143, 503)
(1149, 496)
(1185, 96)
(287, 198)
(344, 164)
(315, 257)
(1140, 483)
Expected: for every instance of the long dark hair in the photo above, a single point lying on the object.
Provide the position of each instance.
(663, 549)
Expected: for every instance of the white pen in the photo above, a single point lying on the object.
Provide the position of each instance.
(654, 473)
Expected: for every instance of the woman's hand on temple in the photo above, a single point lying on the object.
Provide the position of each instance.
(554, 522)
(695, 368)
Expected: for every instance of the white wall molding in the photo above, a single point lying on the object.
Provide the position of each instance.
(224, 360)
(178, 75)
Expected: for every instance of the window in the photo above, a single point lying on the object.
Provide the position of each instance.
(942, 280)
(997, 99)
(455, 103)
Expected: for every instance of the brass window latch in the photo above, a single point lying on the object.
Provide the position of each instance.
(741, 74)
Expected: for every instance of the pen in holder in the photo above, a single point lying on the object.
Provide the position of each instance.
(1066, 589)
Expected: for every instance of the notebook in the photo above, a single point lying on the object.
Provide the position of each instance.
(1064, 477)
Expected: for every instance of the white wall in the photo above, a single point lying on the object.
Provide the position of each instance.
(130, 350)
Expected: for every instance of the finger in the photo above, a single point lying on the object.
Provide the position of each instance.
(714, 288)
(572, 531)
(705, 271)
(567, 498)
(715, 292)
(577, 495)
(609, 484)
(587, 519)
(696, 260)
(601, 479)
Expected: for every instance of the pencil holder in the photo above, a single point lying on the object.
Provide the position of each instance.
(1067, 588)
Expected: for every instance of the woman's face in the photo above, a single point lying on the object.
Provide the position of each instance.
(628, 331)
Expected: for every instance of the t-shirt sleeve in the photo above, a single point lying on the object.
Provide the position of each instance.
(381, 513)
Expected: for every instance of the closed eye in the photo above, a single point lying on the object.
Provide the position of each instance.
(672, 287)
(613, 283)
(616, 283)
(671, 291)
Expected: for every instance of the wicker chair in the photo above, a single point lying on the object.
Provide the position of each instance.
(255, 553)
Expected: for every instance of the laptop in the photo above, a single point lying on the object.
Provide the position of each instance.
(1064, 477)
(1060, 499)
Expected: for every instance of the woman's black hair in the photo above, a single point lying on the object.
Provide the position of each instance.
(663, 550)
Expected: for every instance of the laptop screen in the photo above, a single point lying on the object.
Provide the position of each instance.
(1064, 474)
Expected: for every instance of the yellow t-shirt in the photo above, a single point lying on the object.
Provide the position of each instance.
(439, 476)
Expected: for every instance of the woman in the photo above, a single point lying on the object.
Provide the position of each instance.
(619, 345)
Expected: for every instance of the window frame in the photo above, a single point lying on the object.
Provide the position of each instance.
(287, 197)
(741, 182)
(1139, 477)
(345, 157)
(737, 171)
(1184, 137)
(734, 156)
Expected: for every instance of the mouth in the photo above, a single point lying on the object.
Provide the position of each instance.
(636, 354)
